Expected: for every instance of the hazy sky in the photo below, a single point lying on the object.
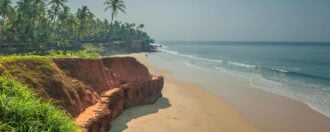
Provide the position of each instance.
(238, 20)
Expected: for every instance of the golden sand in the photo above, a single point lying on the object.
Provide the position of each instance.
(185, 107)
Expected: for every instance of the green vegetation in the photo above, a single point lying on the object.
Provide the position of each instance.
(114, 6)
(20, 110)
(49, 27)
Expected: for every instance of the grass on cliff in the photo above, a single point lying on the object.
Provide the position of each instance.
(21, 110)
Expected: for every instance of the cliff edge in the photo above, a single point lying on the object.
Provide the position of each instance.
(93, 91)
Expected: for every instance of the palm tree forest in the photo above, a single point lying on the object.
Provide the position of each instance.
(44, 27)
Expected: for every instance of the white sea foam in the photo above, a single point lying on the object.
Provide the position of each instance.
(310, 95)
(188, 63)
(241, 75)
(205, 59)
(313, 96)
(242, 65)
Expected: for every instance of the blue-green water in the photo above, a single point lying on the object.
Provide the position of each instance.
(297, 70)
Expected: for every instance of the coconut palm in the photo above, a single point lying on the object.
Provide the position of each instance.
(43, 26)
(25, 23)
(140, 26)
(115, 6)
(38, 18)
(5, 9)
(56, 7)
(84, 16)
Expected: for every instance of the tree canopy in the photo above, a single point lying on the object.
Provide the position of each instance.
(43, 26)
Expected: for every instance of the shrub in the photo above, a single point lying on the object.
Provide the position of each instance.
(21, 110)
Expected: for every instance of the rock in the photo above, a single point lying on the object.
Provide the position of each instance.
(144, 92)
(113, 104)
(93, 91)
(90, 71)
(127, 69)
(122, 82)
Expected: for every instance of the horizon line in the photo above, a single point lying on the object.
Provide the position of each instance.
(264, 41)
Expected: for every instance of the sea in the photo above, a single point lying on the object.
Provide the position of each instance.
(298, 70)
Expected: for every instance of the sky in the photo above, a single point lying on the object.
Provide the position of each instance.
(225, 20)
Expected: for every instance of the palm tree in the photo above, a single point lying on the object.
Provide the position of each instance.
(140, 26)
(40, 26)
(5, 9)
(115, 6)
(57, 6)
(39, 13)
(84, 15)
(25, 25)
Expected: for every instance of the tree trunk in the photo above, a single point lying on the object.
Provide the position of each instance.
(112, 16)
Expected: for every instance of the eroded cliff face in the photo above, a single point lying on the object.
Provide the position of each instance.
(1, 69)
(49, 82)
(93, 91)
(113, 102)
(89, 71)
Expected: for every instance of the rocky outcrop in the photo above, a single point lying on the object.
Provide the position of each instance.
(93, 91)
(127, 69)
(144, 92)
(90, 71)
(123, 47)
(97, 118)
(120, 82)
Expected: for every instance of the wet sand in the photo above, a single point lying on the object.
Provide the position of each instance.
(239, 107)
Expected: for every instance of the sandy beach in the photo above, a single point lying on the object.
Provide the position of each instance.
(184, 107)
(238, 107)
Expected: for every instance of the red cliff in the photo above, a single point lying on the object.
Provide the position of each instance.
(93, 91)
(120, 83)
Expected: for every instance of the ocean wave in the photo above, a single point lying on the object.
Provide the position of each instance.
(188, 63)
(292, 73)
(290, 83)
(240, 64)
(166, 50)
(301, 92)
(159, 45)
(216, 61)
(318, 101)
(269, 69)
(272, 69)
(188, 56)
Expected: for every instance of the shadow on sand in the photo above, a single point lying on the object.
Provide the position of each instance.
(120, 124)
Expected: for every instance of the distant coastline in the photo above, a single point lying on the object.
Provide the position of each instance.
(248, 42)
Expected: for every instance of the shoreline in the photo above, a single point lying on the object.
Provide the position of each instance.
(260, 108)
(183, 107)
(290, 98)
(266, 110)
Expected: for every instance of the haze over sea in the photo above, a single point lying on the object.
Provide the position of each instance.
(300, 71)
